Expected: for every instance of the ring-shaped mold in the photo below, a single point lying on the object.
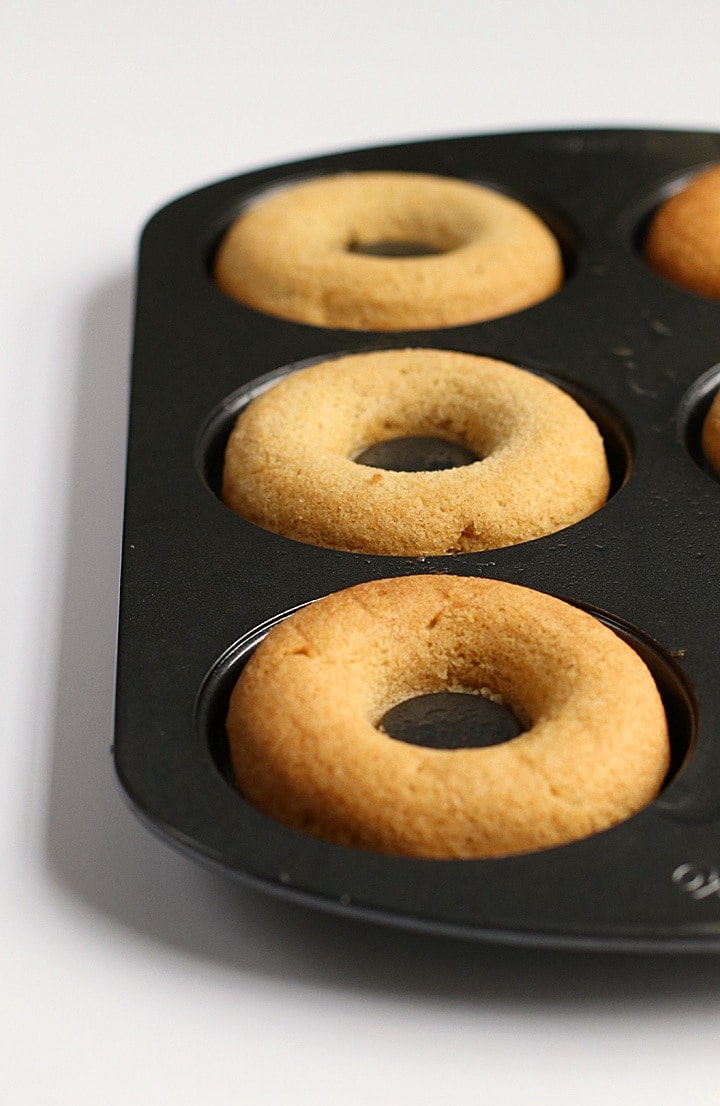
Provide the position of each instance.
(699, 421)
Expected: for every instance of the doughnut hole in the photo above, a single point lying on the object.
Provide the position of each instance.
(416, 454)
(452, 720)
(393, 249)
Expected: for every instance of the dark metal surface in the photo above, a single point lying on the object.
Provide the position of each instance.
(200, 585)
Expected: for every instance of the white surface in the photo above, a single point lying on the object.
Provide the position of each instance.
(129, 975)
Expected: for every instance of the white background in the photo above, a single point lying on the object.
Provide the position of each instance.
(128, 974)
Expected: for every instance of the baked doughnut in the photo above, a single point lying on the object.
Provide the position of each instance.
(683, 242)
(289, 463)
(711, 434)
(306, 749)
(295, 253)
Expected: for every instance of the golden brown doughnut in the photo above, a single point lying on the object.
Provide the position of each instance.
(683, 242)
(711, 434)
(289, 461)
(306, 750)
(293, 253)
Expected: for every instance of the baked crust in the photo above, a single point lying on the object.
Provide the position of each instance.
(289, 460)
(683, 242)
(294, 253)
(306, 749)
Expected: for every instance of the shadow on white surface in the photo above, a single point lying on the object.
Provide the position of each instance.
(118, 876)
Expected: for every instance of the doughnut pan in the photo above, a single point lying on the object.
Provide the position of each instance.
(200, 586)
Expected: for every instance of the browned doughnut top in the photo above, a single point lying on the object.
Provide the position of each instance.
(683, 242)
(306, 748)
(711, 434)
(298, 253)
(290, 467)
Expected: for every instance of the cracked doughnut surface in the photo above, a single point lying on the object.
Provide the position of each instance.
(306, 750)
(289, 463)
(298, 254)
